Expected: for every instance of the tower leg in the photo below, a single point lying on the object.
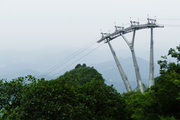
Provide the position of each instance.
(151, 68)
(136, 67)
(124, 78)
(138, 76)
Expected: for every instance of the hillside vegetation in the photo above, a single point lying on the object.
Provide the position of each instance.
(81, 94)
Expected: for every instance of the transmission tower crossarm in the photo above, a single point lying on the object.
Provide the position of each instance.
(124, 77)
(133, 27)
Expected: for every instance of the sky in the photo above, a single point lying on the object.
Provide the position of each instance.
(36, 25)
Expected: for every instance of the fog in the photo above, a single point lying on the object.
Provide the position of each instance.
(39, 34)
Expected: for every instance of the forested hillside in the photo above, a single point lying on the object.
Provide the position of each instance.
(81, 94)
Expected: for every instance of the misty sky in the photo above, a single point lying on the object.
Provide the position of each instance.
(33, 24)
(68, 24)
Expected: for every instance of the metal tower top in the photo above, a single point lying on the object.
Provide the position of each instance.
(134, 26)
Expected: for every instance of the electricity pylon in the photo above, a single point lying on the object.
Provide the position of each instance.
(120, 31)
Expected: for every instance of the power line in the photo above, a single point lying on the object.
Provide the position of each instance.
(67, 59)
(172, 25)
(76, 53)
(170, 19)
(77, 60)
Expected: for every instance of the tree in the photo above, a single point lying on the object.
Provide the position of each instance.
(11, 94)
(65, 98)
(167, 86)
(162, 100)
(104, 101)
(84, 74)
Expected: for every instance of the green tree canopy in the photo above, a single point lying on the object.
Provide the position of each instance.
(82, 94)
(161, 101)
(84, 74)
(65, 98)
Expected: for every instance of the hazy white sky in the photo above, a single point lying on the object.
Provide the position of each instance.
(68, 24)
(33, 24)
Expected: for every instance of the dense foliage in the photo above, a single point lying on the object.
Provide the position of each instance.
(81, 94)
(84, 74)
(72, 96)
(161, 101)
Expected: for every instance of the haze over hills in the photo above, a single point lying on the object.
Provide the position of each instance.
(111, 74)
(21, 63)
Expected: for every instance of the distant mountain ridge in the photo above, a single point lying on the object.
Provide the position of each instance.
(15, 64)
(111, 74)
